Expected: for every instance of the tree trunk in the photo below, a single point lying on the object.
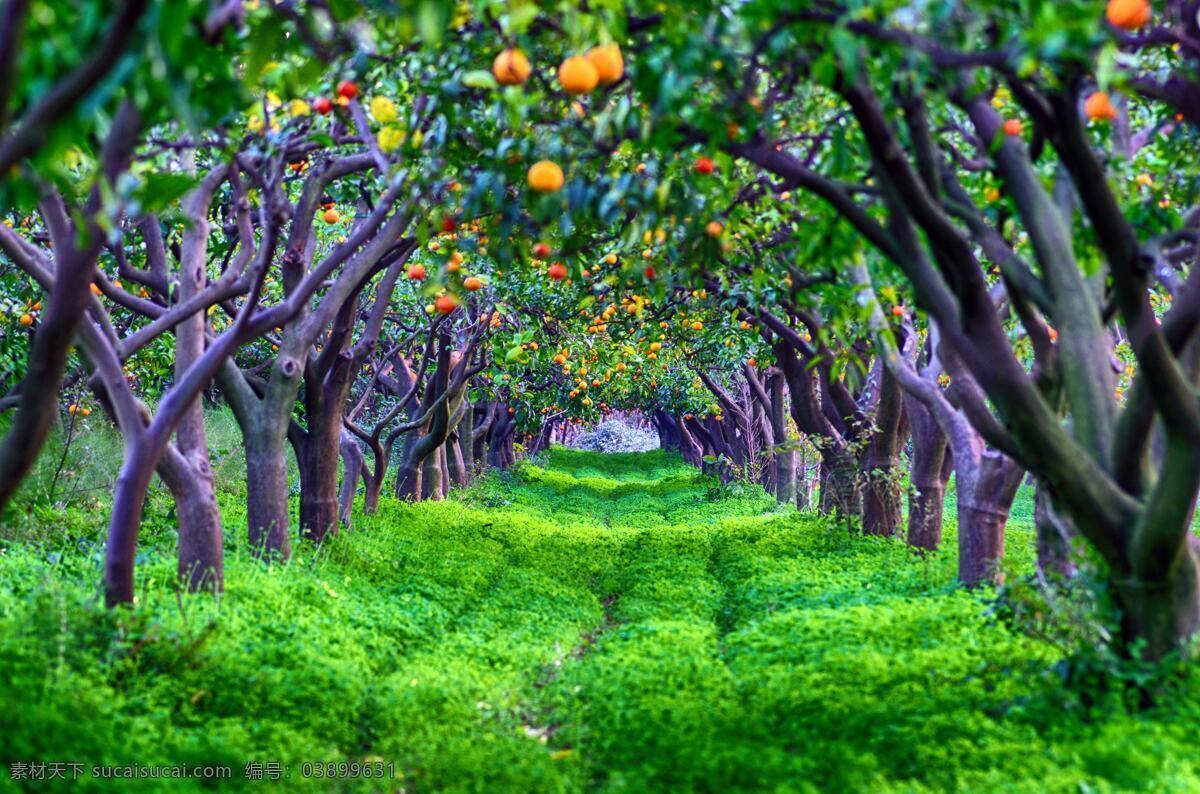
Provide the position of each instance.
(785, 459)
(268, 514)
(983, 504)
(128, 498)
(1055, 534)
(201, 541)
(466, 444)
(927, 477)
(372, 487)
(317, 455)
(352, 467)
(501, 434)
(841, 493)
(883, 492)
(668, 430)
(1158, 614)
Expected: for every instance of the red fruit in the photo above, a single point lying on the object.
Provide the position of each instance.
(445, 304)
(322, 105)
(347, 89)
(447, 223)
(649, 272)
(557, 271)
(541, 251)
(1013, 127)
(417, 272)
(704, 165)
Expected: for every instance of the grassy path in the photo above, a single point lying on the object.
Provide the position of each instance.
(614, 623)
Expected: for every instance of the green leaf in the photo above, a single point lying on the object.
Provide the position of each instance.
(479, 78)
(157, 191)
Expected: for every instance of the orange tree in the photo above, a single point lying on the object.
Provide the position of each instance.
(1046, 148)
(1024, 169)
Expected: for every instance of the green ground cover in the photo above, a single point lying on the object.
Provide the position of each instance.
(612, 623)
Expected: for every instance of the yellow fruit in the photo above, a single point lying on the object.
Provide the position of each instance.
(545, 177)
(511, 67)
(577, 75)
(383, 109)
(608, 62)
(390, 138)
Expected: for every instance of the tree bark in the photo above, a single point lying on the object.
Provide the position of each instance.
(927, 478)
(983, 504)
(883, 492)
(352, 467)
(1055, 535)
(1156, 612)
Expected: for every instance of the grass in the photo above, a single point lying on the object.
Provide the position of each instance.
(593, 623)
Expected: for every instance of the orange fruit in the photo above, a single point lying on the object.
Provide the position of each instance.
(331, 216)
(417, 272)
(1013, 127)
(557, 271)
(577, 75)
(545, 177)
(511, 67)
(472, 283)
(1127, 14)
(26, 319)
(608, 62)
(445, 304)
(1099, 107)
(714, 229)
